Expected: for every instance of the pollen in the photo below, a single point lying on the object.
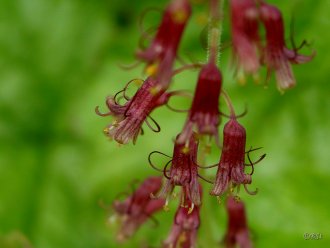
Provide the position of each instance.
(138, 82)
(152, 69)
(237, 198)
(231, 189)
(180, 16)
(185, 150)
(191, 208)
(166, 207)
(154, 90)
(106, 131)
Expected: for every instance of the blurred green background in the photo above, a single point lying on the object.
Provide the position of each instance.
(58, 60)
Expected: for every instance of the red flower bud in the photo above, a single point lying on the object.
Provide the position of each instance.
(231, 165)
(138, 207)
(245, 37)
(277, 56)
(183, 172)
(204, 112)
(237, 230)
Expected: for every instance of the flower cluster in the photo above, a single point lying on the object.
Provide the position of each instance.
(137, 208)
(184, 172)
(248, 50)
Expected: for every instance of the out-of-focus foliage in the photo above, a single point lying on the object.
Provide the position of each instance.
(58, 60)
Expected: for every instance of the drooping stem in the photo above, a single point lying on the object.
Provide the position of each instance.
(229, 104)
(215, 30)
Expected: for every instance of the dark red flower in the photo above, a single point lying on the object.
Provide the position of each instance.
(238, 234)
(204, 112)
(184, 230)
(231, 165)
(277, 56)
(138, 207)
(183, 172)
(130, 116)
(245, 37)
(161, 53)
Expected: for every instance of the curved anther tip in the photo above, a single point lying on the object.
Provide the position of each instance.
(191, 208)
(166, 207)
(185, 150)
(152, 196)
(106, 131)
(237, 198)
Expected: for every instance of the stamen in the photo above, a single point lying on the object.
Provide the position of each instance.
(106, 131)
(152, 69)
(185, 149)
(152, 196)
(237, 198)
(219, 200)
(166, 207)
(191, 208)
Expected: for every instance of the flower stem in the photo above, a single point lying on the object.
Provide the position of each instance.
(215, 30)
(229, 104)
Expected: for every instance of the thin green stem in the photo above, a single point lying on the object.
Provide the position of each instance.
(215, 30)
(229, 104)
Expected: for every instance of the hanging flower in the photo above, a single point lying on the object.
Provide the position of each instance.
(204, 112)
(237, 234)
(183, 172)
(130, 116)
(163, 48)
(231, 165)
(184, 230)
(277, 56)
(137, 208)
(245, 37)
